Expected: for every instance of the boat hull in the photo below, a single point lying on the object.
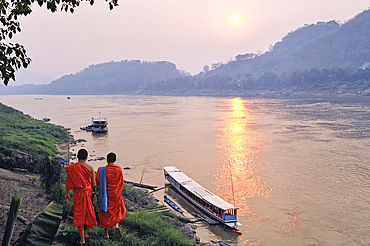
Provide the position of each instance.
(231, 224)
(172, 204)
(99, 130)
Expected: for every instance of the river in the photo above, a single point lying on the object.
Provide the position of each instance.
(297, 167)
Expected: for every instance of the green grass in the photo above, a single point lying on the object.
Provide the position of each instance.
(138, 228)
(20, 132)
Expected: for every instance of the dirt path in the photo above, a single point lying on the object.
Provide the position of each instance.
(33, 199)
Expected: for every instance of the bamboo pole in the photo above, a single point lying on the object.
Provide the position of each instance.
(67, 152)
(142, 175)
(12, 217)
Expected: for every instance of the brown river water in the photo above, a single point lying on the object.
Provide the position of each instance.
(297, 167)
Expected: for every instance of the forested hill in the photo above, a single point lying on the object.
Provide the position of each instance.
(106, 78)
(281, 56)
(322, 57)
(321, 45)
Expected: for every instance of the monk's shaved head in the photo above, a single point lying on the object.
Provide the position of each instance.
(82, 154)
(111, 157)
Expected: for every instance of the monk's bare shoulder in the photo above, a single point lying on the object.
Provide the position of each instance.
(89, 167)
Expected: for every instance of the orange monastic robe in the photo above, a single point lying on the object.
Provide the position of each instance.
(79, 178)
(116, 207)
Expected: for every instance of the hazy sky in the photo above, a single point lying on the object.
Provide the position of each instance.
(188, 33)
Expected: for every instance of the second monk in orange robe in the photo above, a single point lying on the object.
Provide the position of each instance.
(116, 207)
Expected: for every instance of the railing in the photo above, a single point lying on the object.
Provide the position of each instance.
(230, 217)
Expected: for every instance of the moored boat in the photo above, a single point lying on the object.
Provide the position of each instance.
(87, 128)
(222, 243)
(99, 125)
(213, 205)
(172, 204)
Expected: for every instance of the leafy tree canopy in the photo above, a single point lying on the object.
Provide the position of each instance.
(13, 56)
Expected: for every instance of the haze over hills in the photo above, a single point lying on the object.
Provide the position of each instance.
(321, 45)
(23, 77)
(325, 57)
(281, 55)
(106, 78)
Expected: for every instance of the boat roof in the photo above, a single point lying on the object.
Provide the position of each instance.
(197, 189)
(99, 120)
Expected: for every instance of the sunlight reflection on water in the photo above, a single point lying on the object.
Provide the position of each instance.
(238, 179)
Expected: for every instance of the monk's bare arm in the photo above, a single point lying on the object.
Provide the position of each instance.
(66, 195)
(92, 180)
(93, 174)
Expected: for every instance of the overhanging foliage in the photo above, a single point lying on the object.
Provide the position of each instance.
(13, 56)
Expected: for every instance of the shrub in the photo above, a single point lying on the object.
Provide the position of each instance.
(50, 171)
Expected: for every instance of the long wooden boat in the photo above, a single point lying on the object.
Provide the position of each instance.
(213, 205)
(172, 204)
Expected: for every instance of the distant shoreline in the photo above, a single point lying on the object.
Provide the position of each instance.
(206, 93)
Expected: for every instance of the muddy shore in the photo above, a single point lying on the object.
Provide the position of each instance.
(27, 186)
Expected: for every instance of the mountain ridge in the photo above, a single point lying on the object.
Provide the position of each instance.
(307, 58)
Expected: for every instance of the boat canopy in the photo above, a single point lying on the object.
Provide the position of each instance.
(99, 121)
(197, 189)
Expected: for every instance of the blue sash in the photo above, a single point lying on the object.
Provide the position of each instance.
(102, 196)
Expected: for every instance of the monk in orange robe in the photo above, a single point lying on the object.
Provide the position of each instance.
(116, 207)
(80, 177)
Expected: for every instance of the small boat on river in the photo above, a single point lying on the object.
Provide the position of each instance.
(87, 128)
(99, 125)
(172, 204)
(213, 205)
(222, 243)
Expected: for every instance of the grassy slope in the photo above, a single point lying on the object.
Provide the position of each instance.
(20, 132)
(138, 229)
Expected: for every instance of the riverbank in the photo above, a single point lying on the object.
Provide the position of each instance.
(26, 136)
(74, 147)
(27, 187)
(286, 93)
(34, 200)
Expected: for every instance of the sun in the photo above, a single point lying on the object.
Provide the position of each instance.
(235, 19)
